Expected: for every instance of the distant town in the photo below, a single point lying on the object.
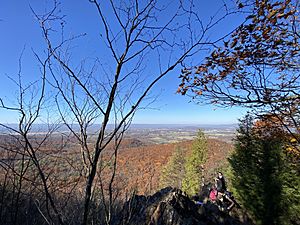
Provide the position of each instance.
(171, 133)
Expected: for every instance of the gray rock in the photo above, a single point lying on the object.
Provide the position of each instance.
(171, 206)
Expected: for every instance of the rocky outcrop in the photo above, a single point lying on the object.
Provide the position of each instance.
(172, 207)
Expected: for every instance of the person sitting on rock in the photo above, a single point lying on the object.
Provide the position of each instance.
(213, 193)
(226, 202)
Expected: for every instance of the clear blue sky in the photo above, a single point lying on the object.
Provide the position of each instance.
(20, 30)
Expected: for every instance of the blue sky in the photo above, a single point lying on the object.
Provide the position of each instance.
(20, 30)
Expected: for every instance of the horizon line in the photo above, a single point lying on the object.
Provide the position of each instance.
(194, 124)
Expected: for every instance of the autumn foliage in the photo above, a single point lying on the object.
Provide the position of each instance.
(263, 48)
(257, 67)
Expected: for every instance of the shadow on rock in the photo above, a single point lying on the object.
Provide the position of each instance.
(171, 206)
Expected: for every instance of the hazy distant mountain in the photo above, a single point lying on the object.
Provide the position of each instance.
(41, 128)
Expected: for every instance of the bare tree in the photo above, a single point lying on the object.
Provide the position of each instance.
(24, 146)
(143, 41)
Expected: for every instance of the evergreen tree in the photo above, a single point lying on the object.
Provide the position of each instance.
(194, 161)
(172, 174)
(290, 203)
(262, 175)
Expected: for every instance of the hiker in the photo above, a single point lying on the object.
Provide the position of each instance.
(226, 202)
(220, 182)
(213, 193)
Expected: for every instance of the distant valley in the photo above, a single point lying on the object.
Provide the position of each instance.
(149, 133)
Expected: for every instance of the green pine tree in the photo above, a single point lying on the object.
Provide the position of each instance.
(263, 178)
(290, 204)
(172, 174)
(192, 180)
